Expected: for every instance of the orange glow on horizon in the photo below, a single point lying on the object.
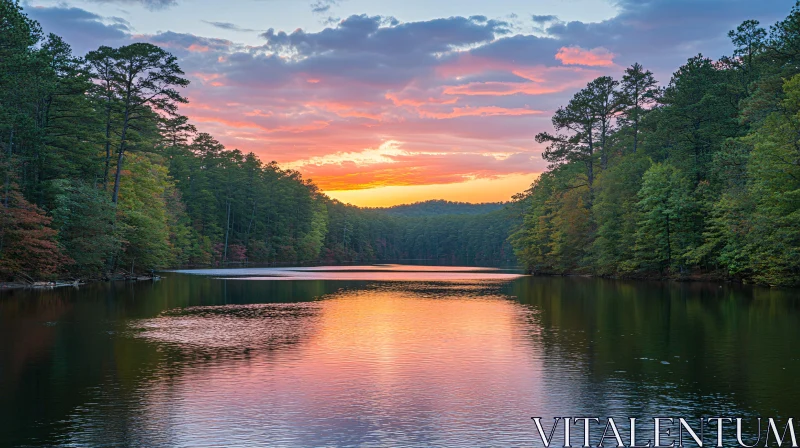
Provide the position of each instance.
(479, 190)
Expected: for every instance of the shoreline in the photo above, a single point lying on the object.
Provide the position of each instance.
(716, 277)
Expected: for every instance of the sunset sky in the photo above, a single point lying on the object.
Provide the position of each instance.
(383, 103)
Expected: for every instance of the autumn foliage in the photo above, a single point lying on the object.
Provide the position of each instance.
(28, 244)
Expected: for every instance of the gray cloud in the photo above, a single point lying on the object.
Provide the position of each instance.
(184, 42)
(544, 19)
(149, 4)
(323, 6)
(370, 34)
(229, 26)
(664, 33)
(83, 30)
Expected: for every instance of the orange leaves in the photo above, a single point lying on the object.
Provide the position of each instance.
(27, 242)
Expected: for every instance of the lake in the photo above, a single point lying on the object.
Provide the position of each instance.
(382, 356)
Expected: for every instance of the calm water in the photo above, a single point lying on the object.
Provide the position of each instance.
(386, 356)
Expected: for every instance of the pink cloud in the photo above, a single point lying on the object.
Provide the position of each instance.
(469, 111)
(468, 64)
(417, 169)
(198, 48)
(596, 57)
(453, 115)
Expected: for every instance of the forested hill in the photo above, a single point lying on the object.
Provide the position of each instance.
(699, 177)
(101, 174)
(438, 207)
(373, 234)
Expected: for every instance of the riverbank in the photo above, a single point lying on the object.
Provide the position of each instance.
(73, 283)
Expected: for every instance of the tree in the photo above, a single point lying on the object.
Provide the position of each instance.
(84, 217)
(605, 105)
(749, 41)
(617, 215)
(638, 92)
(774, 188)
(28, 244)
(101, 63)
(577, 144)
(143, 79)
(144, 219)
(698, 114)
(665, 204)
(19, 35)
(709, 185)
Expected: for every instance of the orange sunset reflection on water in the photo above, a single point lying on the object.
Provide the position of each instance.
(364, 365)
(385, 355)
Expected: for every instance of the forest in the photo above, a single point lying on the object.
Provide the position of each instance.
(698, 178)
(102, 175)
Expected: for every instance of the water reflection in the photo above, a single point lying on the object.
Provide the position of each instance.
(707, 347)
(198, 361)
(383, 273)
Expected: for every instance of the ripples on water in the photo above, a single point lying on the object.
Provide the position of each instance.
(434, 357)
(237, 327)
(387, 364)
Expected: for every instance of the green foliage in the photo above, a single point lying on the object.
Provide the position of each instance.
(700, 178)
(143, 223)
(617, 215)
(84, 218)
(774, 189)
(713, 189)
(69, 125)
(556, 225)
(664, 231)
(356, 234)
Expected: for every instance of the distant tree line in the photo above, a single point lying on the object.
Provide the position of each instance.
(442, 207)
(700, 177)
(101, 174)
(433, 230)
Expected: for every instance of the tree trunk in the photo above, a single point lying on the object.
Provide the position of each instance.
(250, 224)
(669, 247)
(8, 169)
(108, 144)
(121, 152)
(227, 231)
(603, 154)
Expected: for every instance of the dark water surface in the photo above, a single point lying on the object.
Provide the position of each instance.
(382, 357)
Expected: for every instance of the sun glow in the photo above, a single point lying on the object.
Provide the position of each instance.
(478, 190)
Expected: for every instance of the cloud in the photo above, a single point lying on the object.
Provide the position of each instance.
(149, 4)
(392, 164)
(331, 21)
(596, 57)
(229, 26)
(323, 6)
(455, 91)
(369, 100)
(544, 19)
(82, 29)
(183, 43)
(380, 36)
(663, 34)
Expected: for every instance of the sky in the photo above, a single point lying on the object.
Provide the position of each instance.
(389, 102)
